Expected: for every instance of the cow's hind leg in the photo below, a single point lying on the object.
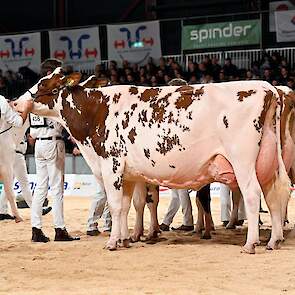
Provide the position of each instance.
(205, 200)
(152, 200)
(276, 197)
(139, 200)
(200, 222)
(126, 202)
(251, 191)
(8, 183)
(236, 196)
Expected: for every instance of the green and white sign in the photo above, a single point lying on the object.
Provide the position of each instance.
(227, 34)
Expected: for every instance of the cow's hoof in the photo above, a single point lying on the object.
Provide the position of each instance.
(274, 245)
(111, 246)
(206, 236)
(126, 243)
(18, 219)
(152, 236)
(135, 238)
(248, 250)
(230, 226)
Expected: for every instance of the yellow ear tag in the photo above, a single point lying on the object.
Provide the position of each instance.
(70, 82)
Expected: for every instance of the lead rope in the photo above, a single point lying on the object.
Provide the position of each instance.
(5, 130)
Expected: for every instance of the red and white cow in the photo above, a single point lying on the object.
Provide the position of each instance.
(174, 136)
(143, 193)
(10, 137)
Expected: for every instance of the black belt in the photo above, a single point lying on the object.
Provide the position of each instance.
(18, 152)
(50, 138)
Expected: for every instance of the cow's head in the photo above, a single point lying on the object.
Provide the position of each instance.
(47, 92)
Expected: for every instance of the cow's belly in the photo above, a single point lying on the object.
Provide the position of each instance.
(189, 174)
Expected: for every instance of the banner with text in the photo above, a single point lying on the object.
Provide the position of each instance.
(285, 25)
(277, 6)
(134, 42)
(79, 48)
(227, 34)
(22, 50)
(78, 185)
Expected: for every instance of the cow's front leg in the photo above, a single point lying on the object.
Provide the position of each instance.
(114, 189)
(126, 202)
(152, 200)
(139, 203)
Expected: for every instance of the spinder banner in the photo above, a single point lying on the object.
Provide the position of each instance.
(277, 6)
(227, 34)
(285, 25)
(134, 42)
(23, 50)
(79, 48)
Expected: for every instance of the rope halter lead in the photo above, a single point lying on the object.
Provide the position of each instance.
(5, 130)
(54, 91)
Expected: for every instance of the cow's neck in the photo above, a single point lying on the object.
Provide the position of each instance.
(84, 113)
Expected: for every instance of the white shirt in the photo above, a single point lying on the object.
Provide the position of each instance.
(53, 129)
(8, 115)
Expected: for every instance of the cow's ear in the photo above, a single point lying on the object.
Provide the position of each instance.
(96, 83)
(102, 82)
(72, 79)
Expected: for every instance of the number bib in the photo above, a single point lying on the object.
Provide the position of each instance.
(37, 121)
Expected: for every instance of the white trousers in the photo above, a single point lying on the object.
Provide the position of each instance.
(21, 174)
(179, 197)
(226, 204)
(50, 163)
(99, 208)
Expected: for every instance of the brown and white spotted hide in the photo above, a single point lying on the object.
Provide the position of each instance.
(175, 136)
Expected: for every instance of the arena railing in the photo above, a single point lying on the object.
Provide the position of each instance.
(243, 59)
(288, 53)
(199, 57)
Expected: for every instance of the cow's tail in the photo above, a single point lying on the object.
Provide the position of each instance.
(282, 184)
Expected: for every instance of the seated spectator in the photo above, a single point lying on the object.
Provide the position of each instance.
(154, 81)
(130, 79)
(193, 80)
(114, 79)
(249, 75)
(230, 70)
(284, 76)
(202, 70)
(206, 78)
(215, 68)
(291, 83)
(222, 77)
(267, 75)
(192, 69)
(167, 78)
(162, 65)
(160, 77)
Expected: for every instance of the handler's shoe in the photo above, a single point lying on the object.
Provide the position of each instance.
(46, 210)
(93, 232)
(6, 216)
(61, 235)
(38, 236)
(164, 227)
(184, 228)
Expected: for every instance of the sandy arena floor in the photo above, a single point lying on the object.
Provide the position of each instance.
(178, 264)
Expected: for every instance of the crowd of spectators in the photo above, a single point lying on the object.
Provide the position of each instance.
(274, 69)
